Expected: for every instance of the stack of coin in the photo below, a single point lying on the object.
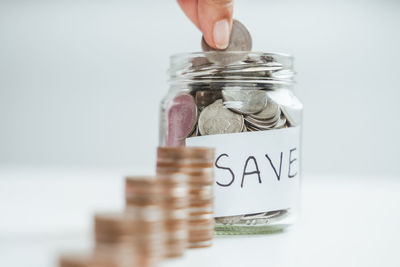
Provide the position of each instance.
(142, 198)
(193, 168)
(201, 198)
(270, 117)
(88, 260)
(175, 199)
(142, 192)
(134, 241)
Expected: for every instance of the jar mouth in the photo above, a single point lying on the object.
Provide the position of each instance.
(259, 53)
(232, 68)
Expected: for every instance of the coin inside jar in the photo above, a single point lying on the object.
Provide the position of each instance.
(245, 101)
(269, 111)
(206, 97)
(217, 119)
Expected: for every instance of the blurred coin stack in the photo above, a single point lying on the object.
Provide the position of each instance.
(190, 168)
(142, 199)
(200, 173)
(163, 215)
(115, 237)
(175, 200)
(115, 244)
(88, 260)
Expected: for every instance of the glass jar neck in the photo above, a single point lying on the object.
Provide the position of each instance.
(230, 70)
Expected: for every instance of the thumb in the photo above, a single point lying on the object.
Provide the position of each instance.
(215, 21)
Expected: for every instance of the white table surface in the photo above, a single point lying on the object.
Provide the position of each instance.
(346, 221)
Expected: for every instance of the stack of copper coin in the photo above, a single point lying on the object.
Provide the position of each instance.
(195, 166)
(175, 202)
(142, 192)
(114, 235)
(88, 260)
(142, 195)
(201, 197)
(134, 241)
(164, 214)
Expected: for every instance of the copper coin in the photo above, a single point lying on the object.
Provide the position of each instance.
(87, 260)
(175, 191)
(184, 153)
(201, 202)
(202, 235)
(202, 244)
(142, 201)
(174, 249)
(185, 165)
(172, 178)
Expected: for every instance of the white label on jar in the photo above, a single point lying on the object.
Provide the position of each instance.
(254, 171)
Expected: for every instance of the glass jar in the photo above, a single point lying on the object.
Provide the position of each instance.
(245, 108)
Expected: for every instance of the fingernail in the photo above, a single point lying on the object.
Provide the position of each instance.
(221, 34)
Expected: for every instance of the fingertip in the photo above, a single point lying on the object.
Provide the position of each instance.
(215, 20)
(221, 34)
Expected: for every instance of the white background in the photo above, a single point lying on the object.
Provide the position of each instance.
(80, 81)
(80, 84)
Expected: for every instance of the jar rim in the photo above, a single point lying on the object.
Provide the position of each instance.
(231, 68)
(255, 53)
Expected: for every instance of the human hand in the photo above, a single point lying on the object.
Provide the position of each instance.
(212, 17)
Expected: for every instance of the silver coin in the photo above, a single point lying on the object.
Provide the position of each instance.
(228, 220)
(268, 112)
(244, 128)
(259, 127)
(275, 213)
(199, 63)
(245, 101)
(240, 40)
(253, 219)
(251, 129)
(263, 124)
(264, 218)
(217, 119)
(270, 121)
(281, 122)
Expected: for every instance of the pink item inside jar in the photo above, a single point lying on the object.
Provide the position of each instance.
(182, 117)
